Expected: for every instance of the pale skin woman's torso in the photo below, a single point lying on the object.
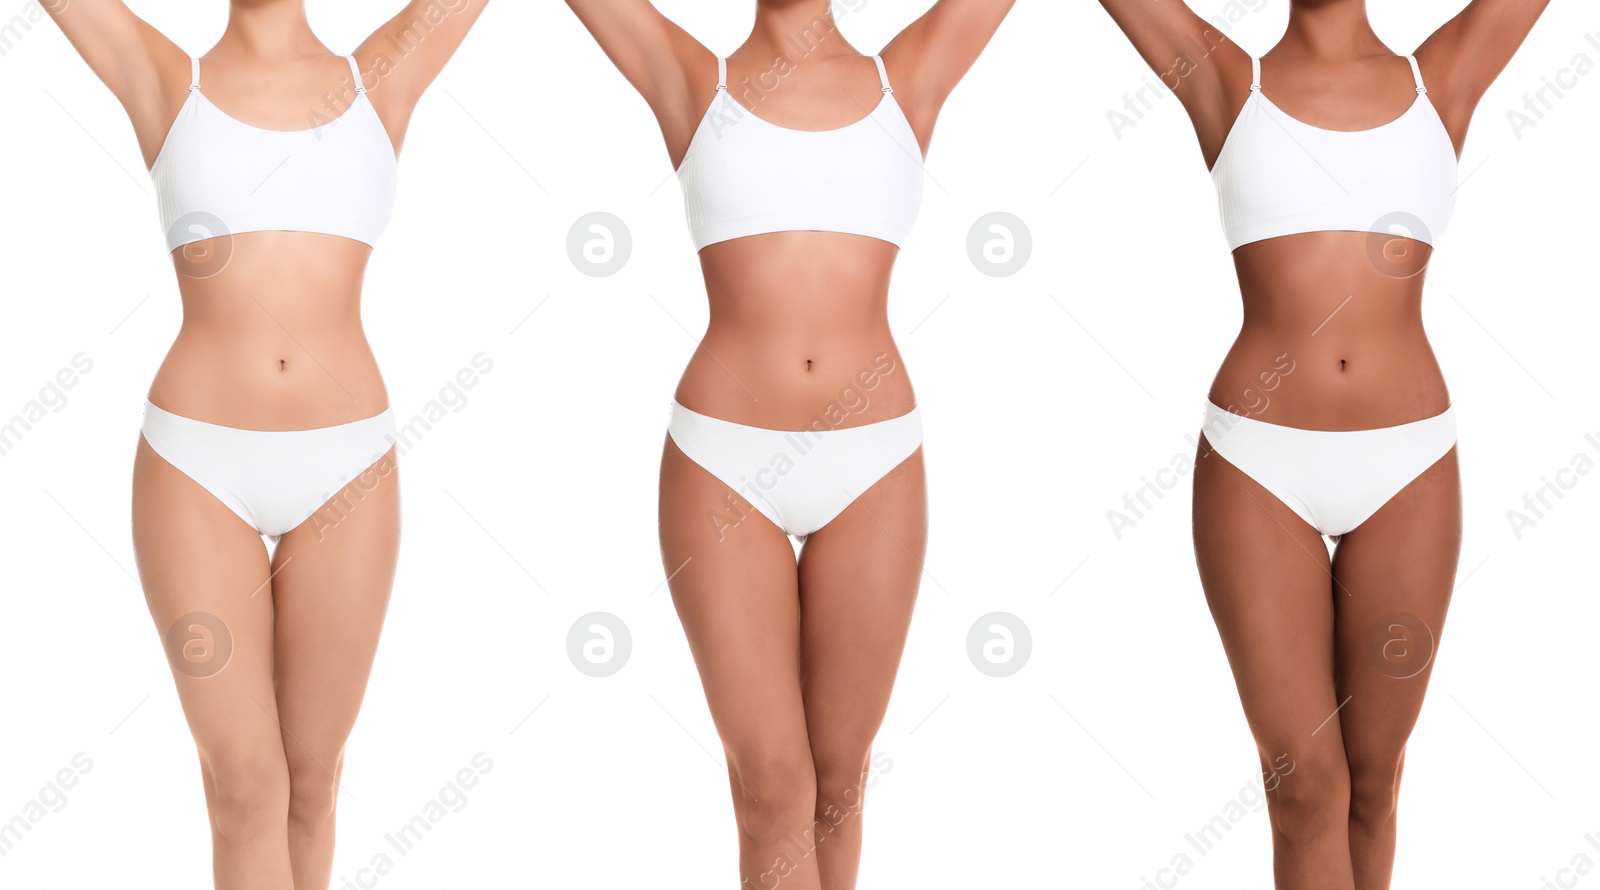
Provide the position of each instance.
(797, 317)
(272, 341)
(1332, 337)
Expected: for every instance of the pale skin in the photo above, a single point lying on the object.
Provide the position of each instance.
(1296, 625)
(271, 342)
(797, 661)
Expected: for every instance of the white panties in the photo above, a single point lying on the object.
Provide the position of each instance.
(799, 479)
(273, 480)
(1334, 480)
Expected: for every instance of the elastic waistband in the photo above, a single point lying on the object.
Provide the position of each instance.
(914, 416)
(1214, 413)
(355, 428)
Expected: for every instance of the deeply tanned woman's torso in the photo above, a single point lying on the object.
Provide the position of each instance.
(1332, 337)
(1332, 340)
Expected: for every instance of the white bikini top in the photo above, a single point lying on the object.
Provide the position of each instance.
(746, 176)
(1280, 176)
(216, 175)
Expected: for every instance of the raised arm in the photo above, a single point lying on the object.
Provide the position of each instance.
(1208, 73)
(934, 52)
(674, 73)
(1468, 52)
(142, 68)
(407, 53)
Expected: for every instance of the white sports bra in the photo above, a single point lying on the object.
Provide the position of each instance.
(216, 175)
(1277, 175)
(746, 176)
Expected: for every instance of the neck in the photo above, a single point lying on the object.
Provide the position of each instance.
(1332, 29)
(796, 28)
(270, 29)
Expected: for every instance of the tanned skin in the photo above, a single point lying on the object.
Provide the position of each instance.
(1296, 625)
(797, 660)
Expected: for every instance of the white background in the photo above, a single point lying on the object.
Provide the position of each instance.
(1047, 395)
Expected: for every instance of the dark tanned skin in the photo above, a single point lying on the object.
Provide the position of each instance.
(797, 664)
(271, 342)
(1297, 626)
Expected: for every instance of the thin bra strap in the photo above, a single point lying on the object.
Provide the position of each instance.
(355, 71)
(722, 75)
(194, 73)
(883, 74)
(1416, 74)
(1255, 75)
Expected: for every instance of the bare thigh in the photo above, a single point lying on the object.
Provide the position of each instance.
(736, 591)
(1396, 572)
(334, 574)
(859, 577)
(205, 577)
(1269, 582)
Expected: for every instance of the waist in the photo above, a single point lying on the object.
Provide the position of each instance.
(266, 376)
(787, 382)
(1362, 378)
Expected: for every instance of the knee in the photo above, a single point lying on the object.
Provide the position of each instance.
(841, 779)
(249, 793)
(1374, 789)
(1309, 799)
(776, 793)
(314, 790)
